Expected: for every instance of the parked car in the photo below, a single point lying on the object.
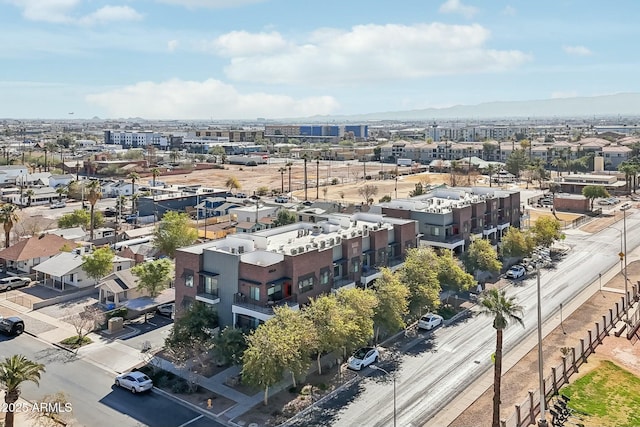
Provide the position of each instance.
(110, 212)
(282, 199)
(516, 272)
(135, 381)
(11, 325)
(429, 321)
(56, 205)
(241, 195)
(362, 358)
(13, 282)
(166, 309)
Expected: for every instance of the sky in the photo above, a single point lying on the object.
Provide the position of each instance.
(248, 59)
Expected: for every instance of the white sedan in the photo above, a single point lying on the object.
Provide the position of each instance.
(429, 321)
(135, 381)
(363, 358)
(516, 272)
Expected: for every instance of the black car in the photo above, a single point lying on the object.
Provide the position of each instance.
(11, 325)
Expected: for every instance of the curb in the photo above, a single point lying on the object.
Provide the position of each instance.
(189, 405)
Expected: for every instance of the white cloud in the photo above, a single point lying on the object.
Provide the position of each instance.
(456, 6)
(366, 53)
(111, 14)
(179, 99)
(172, 45)
(210, 4)
(56, 11)
(509, 10)
(577, 50)
(242, 43)
(61, 12)
(564, 94)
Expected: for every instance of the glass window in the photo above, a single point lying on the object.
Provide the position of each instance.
(188, 281)
(324, 277)
(254, 293)
(305, 285)
(210, 285)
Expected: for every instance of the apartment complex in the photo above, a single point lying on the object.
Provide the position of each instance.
(317, 133)
(135, 139)
(244, 276)
(450, 217)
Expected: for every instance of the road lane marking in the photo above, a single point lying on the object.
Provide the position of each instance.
(189, 422)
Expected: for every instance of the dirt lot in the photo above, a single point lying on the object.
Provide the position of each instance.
(524, 375)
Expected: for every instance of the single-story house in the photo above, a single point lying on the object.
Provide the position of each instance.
(21, 257)
(118, 287)
(65, 270)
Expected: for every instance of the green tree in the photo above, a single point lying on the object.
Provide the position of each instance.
(517, 243)
(134, 177)
(173, 232)
(80, 218)
(420, 274)
(94, 194)
(262, 362)
(99, 263)
(192, 334)
(299, 337)
(284, 217)
(358, 307)
(232, 183)
(481, 257)
(516, 162)
(546, 230)
(385, 198)
(153, 276)
(393, 302)
(29, 195)
(8, 218)
(14, 371)
(329, 321)
(229, 345)
(262, 191)
(593, 192)
(451, 274)
(155, 173)
(61, 191)
(491, 170)
(504, 310)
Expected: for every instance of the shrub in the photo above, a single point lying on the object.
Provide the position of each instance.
(180, 387)
(75, 342)
(322, 386)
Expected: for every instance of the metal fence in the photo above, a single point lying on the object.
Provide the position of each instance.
(526, 412)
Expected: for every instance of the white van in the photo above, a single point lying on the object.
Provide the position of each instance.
(13, 282)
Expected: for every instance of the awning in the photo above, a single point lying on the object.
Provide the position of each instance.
(278, 281)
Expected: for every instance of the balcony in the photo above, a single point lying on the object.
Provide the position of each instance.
(208, 296)
(449, 242)
(263, 311)
(343, 282)
(372, 273)
(503, 223)
(489, 229)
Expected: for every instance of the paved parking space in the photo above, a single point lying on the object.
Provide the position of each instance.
(32, 326)
(67, 309)
(153, 332)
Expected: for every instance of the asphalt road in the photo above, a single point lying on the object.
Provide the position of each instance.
(444, 362)
(96, 401)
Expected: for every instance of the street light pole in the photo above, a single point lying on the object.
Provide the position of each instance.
(542, 422)
(378, 368)
(626, 291)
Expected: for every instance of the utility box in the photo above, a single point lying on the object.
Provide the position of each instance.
(115, 324)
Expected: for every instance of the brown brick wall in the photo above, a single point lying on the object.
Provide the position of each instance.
(186, 262)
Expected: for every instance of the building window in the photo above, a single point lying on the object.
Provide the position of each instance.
(188, 280)
(210, 285)
(306, 284)
(355, 263)
(324, 277)
(254, 293)
(435, 231)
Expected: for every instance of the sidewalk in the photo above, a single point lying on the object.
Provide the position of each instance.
(469, 395)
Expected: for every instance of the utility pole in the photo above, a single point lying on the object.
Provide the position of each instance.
(626, 290)
(542, 422)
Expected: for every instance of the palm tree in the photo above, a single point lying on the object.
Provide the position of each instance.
(93, 196)
(134, 203)
(155, 172)
(61, 191)
(628, 169)
(305, 157)
(282, 171)
(133, 177)
(288, 165)
(491, 170)
(14, 371)
(8, 217)
(29, 193)
(504, 310)
(318, 177)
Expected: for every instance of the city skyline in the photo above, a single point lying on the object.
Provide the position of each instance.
(231, 60)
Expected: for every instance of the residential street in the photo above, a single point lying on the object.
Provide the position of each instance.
(96, 402)
(441, 364)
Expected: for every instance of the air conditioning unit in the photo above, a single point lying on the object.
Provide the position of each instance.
(332, 241)
(300, 249)
(365, 233)
(294, 251)
(338, 240)
(322, 244)
(240, 249)
(233, 250)
(314, 244)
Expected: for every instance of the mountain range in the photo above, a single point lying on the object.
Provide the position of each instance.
(621, 104)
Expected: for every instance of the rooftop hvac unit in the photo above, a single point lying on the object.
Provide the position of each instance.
(233, 250)
(293, 251)
(240, 249)
(300, 249)
(338, 240)
(322, 244)
(332, 241)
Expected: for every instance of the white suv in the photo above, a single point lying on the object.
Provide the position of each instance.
(13, 282)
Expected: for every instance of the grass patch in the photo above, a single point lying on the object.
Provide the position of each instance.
(607, 396)
(75, 342)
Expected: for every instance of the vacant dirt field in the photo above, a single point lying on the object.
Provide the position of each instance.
(524, 375)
